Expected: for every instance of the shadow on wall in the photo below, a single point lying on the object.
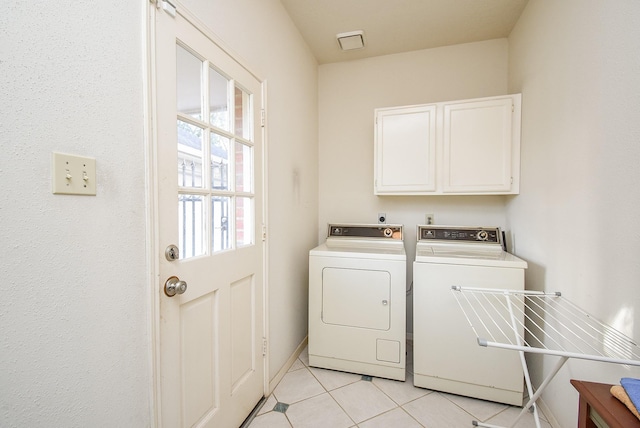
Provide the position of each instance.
(534, 278)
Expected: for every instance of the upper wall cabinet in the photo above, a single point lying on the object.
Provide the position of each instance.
(467, 147)
(406, 150)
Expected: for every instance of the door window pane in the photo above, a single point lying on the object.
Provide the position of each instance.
(242, 113)
(244, 221)
(244, 168)
(220, 223)
(215, 156)
(191, 225)
(219, 162)
(190, 155)
(188, 83)
(219, 100)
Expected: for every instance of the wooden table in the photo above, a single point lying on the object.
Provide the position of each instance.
(597, 398)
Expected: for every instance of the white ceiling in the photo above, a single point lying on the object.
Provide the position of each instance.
(393, 26)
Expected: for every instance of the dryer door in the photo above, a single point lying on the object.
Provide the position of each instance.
(356, 298)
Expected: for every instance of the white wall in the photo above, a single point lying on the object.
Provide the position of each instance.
(577, 64)
(348, 94)
(264, 36)
(74, 335)
(74, 312)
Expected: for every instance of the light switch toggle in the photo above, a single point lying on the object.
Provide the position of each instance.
(73, 175)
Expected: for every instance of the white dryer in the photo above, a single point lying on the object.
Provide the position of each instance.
(447, 356)
(357, 295)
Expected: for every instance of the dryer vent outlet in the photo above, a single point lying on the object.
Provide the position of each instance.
(382, 218)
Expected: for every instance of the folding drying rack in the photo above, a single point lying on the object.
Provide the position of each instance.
(541, 323)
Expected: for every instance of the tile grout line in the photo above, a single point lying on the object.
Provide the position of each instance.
(326, 391)
(378, 387)
(401, 406)
(471, 415)
(370, 379)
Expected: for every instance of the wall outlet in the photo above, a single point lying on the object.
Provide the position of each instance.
(382, 218)
(429, 219)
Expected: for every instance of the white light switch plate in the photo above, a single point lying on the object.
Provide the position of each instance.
(73, 175)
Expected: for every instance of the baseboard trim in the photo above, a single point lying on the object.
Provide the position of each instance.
(547, 413)
(283, 371)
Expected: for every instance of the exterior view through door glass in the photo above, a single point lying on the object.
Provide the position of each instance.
(209, 170)
(215, 159)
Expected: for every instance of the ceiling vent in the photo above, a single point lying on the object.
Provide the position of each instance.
(351, 40)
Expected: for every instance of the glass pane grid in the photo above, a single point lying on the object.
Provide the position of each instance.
(190, 145)
(219, 100)
(242, 113)
(220, 226)
(189, 70)
(220, 174)
(244, 168)
(244, 221)
(192, 231)
(215, 159)
(192, 120)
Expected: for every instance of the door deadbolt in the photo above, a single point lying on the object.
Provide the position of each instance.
(174, 286)
(172, 253)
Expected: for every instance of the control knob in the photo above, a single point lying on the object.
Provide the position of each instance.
(482, 235)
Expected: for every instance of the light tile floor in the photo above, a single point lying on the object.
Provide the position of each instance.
(309, 397)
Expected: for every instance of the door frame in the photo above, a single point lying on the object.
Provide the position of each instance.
(154, 286)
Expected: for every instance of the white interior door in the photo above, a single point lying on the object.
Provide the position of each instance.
(209, 205)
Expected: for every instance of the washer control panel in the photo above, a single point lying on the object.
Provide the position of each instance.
(384, 231)
(487, 235)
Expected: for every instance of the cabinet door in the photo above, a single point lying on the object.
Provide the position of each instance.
(405, 150)
(478, 141)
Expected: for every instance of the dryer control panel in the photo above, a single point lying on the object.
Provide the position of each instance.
(485, 235)
(384, 231)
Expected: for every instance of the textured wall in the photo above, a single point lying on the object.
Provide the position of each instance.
(73, 312)
(74, 316)
(576, 219)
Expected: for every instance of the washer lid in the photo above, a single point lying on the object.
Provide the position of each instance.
(463, 245)
(391, 250)
(480, 255)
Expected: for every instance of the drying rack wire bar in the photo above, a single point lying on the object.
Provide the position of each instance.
(552, 325)
(543, 323)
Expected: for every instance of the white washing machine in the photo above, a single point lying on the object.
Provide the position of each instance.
(357, 295)
(447, 356)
